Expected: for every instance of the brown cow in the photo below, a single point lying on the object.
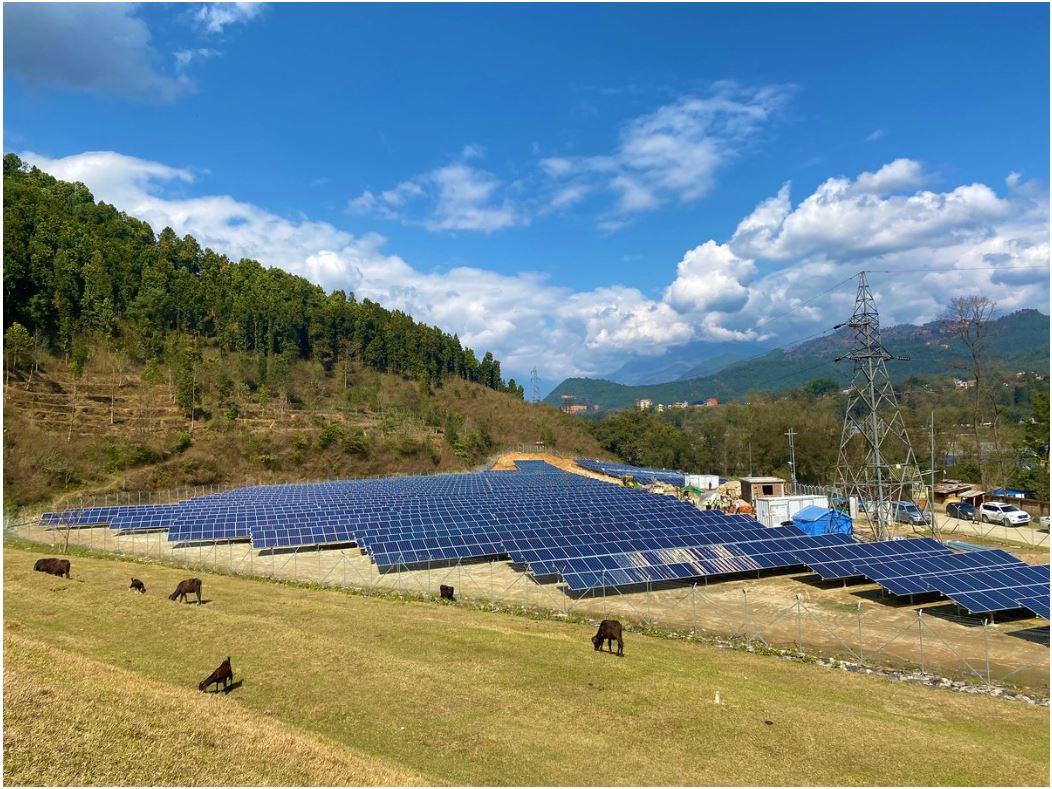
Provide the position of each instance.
(609, 631)
(222, 674)
(52, 566)
(446, 592)
(189, 586)
(138, 586)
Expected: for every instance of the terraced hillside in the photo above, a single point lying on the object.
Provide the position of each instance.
(118, 427)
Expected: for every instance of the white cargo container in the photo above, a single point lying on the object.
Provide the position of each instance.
(703, 481)
(775, 510)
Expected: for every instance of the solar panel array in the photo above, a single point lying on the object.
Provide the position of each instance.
(590, 534)
(641, 474)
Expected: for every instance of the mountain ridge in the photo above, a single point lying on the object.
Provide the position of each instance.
(1018, 340)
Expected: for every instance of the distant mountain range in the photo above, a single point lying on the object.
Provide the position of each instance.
(1019, 341)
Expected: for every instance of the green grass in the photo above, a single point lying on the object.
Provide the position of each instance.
(466, 697)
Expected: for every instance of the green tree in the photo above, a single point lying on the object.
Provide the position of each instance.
(18, 344)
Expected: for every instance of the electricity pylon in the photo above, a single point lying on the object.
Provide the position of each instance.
(875, 463)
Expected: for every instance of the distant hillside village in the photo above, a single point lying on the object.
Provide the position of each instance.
(643, 404)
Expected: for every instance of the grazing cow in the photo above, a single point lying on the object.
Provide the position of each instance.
(52, 566)
(446, 592)
(222, 674)
(609, 631)
(189, 586)
(138, 586)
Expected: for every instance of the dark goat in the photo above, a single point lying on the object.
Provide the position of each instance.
(445, 592)
(138, 586)
(222, 674)
(52, 566)
(609, 631)
(189, 586)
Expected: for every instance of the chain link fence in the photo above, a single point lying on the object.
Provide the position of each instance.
(777, 612)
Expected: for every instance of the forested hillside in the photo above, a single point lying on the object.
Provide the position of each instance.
(77, 273)
(135, 362)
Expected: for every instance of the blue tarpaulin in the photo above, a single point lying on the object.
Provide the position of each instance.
(820, 520)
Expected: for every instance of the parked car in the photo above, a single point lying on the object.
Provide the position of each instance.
(962, 510)
(1043, 520)
(908, 512)
(1005, 514)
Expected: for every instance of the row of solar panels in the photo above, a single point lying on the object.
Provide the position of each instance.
(601, 536)
(640, 473)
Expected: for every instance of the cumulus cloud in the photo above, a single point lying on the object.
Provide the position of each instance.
(674, 153)
(214, 17)
(87, 46)
(767, 281)
(458, 196)
(862, 217)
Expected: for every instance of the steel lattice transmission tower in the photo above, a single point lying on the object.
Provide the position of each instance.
(535, 385)
(875, 463)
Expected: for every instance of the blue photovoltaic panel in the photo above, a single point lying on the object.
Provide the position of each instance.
(641, 474)
(596, 572)
(1039, 605)
(844, 561)
(985, 591)
(914, 575)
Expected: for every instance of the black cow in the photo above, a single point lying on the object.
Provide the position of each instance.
(446, 592)
(138, 586)
(52, 566)
(222, 674)
(189, 586)
(609, 631)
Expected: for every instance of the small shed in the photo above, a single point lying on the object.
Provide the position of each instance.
(755, 487)
(822, 520)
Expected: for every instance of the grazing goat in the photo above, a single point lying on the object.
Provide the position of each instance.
(189, 586)
(138, 586)
(52, 566)
(222, 674)
(609, 631)
(446, 592)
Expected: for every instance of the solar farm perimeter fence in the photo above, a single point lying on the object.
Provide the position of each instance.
(755, 613)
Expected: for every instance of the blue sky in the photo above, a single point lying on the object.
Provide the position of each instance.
(567, 186)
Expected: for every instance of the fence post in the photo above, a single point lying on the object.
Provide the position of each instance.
(986, 649)
(693, 611)
(745, 614)
(799, 634)
(861, 653)
(920, 637)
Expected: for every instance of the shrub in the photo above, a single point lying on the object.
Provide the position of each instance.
(328, 435)
(183, 440)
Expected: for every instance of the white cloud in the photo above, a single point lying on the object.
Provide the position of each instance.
(184, 57)
(87, 46)
(846, 219)
(720, 291)
(674, 153)
(710, 278)
(458, 196)
(214, 17)
(874, 135)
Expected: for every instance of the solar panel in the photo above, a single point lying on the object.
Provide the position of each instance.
(1039, 605)
(914, 575)
(987, 591)
(595, 572)
(843, 561)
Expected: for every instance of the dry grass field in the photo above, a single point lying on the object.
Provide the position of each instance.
(100, 688)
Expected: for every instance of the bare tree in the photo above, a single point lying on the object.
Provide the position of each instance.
(968, 319)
